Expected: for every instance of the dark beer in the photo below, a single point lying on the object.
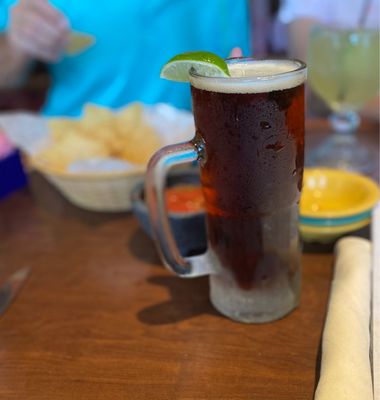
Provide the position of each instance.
(253, 135)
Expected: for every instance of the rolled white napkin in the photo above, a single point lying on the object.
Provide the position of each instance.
(376, 302)
(345, 367)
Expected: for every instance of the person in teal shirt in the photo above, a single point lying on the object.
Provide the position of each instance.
(134, 39)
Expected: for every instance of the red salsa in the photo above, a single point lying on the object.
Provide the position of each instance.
(184, 198)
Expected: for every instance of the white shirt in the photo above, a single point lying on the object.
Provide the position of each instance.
(339, 13)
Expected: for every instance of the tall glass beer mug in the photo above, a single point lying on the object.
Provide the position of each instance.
(249, 143)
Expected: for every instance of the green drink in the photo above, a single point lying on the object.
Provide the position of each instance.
(344, 67)
(344, 72)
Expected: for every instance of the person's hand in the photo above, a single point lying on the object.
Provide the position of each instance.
(38, 30)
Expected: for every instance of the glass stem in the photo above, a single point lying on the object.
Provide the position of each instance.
(345, 122)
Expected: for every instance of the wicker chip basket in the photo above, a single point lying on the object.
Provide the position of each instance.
(109, 192)
(106, 192)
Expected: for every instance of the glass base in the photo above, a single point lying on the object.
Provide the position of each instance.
(255, 305)
(343, 151)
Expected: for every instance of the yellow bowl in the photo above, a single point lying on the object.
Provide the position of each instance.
(336, 194)
(327, 234)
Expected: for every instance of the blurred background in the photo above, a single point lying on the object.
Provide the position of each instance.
(61, 58)
(274, 28)
(267, 36)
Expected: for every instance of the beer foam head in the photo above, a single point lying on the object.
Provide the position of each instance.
(254, 76)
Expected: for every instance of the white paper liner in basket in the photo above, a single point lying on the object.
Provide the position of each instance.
(102, 190)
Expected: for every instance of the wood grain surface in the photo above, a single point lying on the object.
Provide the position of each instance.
(100, 318)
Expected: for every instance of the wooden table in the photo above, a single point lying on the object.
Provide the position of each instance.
(100, 318)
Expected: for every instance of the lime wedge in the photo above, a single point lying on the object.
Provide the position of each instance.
(204, 63)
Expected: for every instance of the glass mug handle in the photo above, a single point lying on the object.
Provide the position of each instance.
(158, 167)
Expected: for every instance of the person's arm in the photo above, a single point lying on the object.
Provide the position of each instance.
(261, 22)
(298, 37)
(298, 42)
(36, 31)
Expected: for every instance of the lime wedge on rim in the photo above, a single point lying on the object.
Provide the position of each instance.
(204, 63)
